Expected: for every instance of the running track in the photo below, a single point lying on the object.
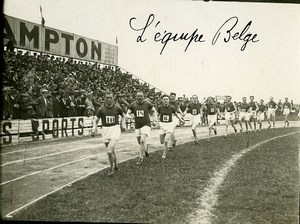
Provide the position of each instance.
(32, 171)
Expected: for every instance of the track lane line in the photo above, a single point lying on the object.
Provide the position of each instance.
(55, 167)
(209, 198)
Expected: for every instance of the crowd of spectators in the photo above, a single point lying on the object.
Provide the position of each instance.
(37, 85)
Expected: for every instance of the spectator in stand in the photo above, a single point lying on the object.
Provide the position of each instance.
(49, 111)
(7, 109)
(90, 109)
(97, 101)
(70, 102)
(42, 104)
(64, 106)
(10, 45)
(56, 100)
(25, 106)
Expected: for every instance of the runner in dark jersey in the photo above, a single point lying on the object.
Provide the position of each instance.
(109, 114)
(212, 112)
(286, 109)
(272, 107)
(175, 104)
(252, 112)
(195, 109)
(261, 113)
(165, 114)
(230, 110)
(141, 109)
(244, 115)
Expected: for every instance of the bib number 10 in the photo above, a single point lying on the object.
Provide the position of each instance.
(110, 120)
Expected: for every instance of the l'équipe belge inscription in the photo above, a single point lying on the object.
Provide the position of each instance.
(226, 32)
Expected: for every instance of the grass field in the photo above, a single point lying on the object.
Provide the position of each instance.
(262, 187)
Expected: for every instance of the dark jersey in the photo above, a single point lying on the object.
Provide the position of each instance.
(175, 104)
(211, 108)
(229, 107)
(244, 107)
(165, 113)
(272, 104)
(286, 105)
(109, 115)
(194, 108)
(141, 113)
(182, 107)
(261, 107)
(252, 105)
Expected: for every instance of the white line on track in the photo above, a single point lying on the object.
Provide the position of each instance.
(9, 215)
(209, 197)
(97, 140)
(55, 167)
(48, 155)
(53, 154)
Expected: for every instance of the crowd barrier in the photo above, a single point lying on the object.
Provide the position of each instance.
(14, 132)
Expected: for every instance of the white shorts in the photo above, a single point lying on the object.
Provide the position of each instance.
(166, 127)
(252, 114)
(229, 116)
(111, 132)
(271, 112)
(286, 111)
(260, 116)
(244, 115)
(211, 119)
(195, 120)
(143, 130)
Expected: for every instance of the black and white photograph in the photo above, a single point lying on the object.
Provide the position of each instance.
(140, 111)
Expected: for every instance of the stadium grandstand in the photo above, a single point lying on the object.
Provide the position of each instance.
(29, 74)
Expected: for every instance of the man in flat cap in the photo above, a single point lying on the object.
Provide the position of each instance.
(42, 104)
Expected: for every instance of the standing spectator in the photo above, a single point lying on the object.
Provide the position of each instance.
(71, 104)
(14, 95)
(49, 112)
(89, 110)
(64, 106)
(7, 109)
(10, 45)
(81, 103)
(42, 104)
(56, 101)
(25, 106)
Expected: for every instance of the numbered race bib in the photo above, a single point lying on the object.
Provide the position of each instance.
(243, 110)
(140, 113)
(110, 119)
(212, 110)
(271, 106)
(194, 111)
(166, 118)
(228, 109)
